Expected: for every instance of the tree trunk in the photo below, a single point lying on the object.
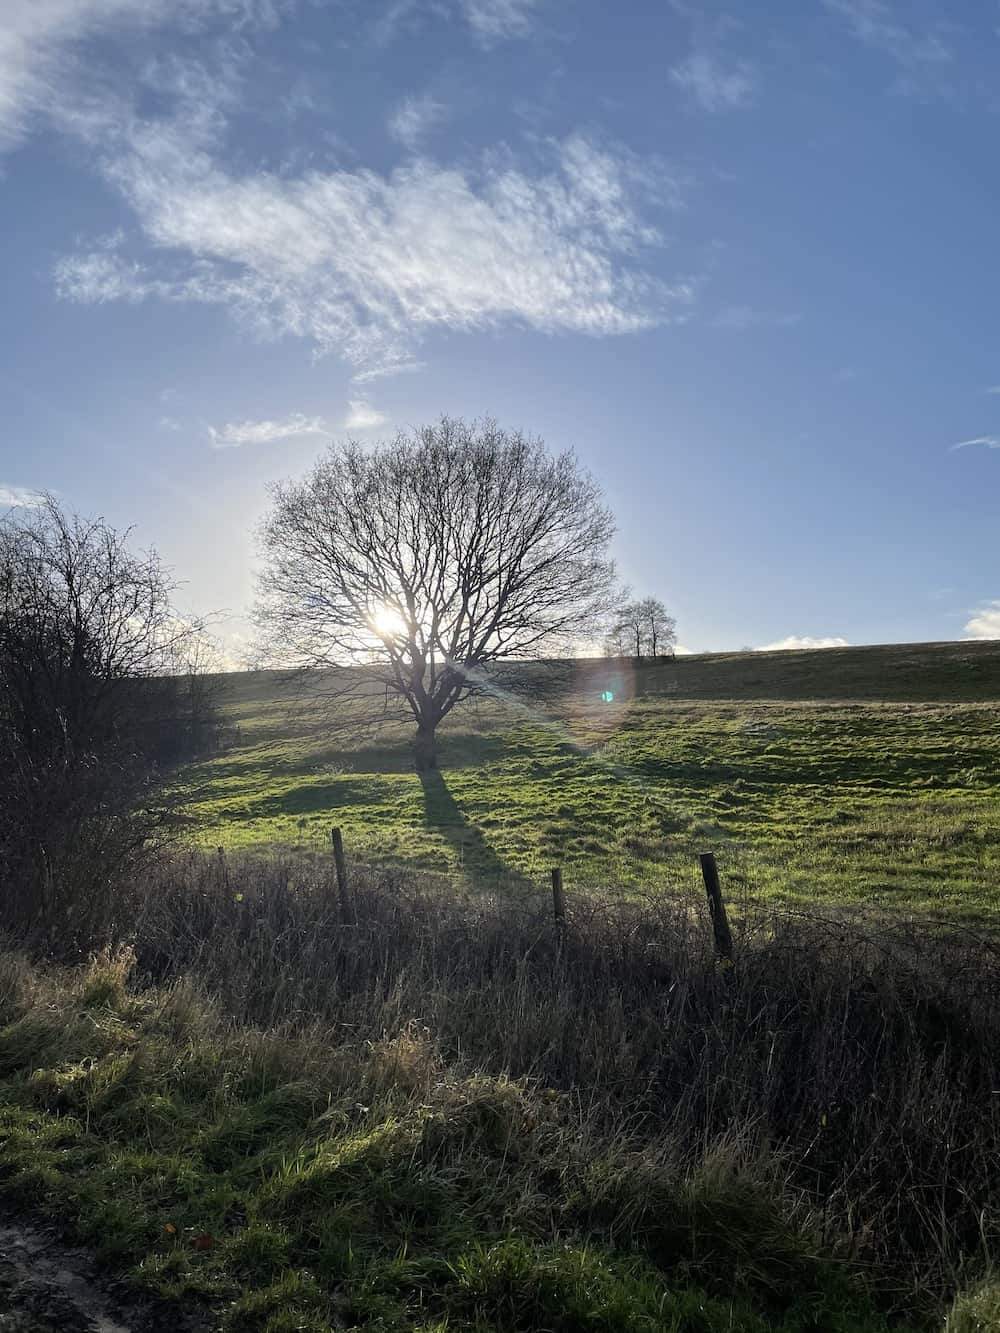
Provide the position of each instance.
(425, 749)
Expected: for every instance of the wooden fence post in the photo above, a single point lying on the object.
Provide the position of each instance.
(343, 887)
(717, 910)
(558, 899)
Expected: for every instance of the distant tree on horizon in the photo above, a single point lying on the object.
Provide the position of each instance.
(411, 568)
(640, 624)
(660, 628)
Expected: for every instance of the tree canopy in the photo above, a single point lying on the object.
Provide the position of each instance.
(421, 562)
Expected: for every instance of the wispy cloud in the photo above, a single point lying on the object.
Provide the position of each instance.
(993, 388)
(803, 641)
(19, 497)
(712, 84)
(892, 30)
(415, 118)
(985, 623)
(385, 371)
(366, 264)
(237, 433)
(40, 73)
(740, 317)
(103, 275)
(362, 416)
(988, 441)
(169, 423)
(499, 20)
(490, 21)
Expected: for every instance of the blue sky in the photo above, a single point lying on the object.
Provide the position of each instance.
(743, 262)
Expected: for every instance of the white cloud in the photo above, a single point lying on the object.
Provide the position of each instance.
(988, 441)
(366, 264)
(415, 118)
(385, 371)
(237, 433)
(713, 85)
(491, 21)
(499, 20)
(985, 624)
(19, 497)
(39, 40)
(233, 651)
(103, 275)
(362, 416)
(881, 25)
(741, 317)
(801, 641)
(169, 423)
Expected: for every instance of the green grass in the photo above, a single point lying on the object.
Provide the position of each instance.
(867, 774)
(294, 1185)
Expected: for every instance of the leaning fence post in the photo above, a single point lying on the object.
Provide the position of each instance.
(717, 910)
(558, 899)
(343, 887)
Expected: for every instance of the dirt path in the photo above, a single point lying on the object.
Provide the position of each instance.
(49, 1287)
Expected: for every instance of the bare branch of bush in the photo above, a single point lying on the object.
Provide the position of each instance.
(87, 633)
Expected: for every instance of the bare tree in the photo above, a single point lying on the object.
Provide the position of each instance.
(80, 615)
(616, 640)
(85, 623)
(413, 567)
(659, 629)
(628, 627)
(642, 624)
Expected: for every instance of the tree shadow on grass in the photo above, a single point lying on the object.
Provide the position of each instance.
(480, 863)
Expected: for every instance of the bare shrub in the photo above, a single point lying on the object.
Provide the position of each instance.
(87, 633)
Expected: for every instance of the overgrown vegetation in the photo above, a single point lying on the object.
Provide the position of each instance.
(89, 710)
(441, 1117)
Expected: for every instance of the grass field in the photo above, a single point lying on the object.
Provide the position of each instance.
(436, 1111)
(865, 774)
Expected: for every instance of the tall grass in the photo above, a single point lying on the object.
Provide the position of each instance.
(853, 1060)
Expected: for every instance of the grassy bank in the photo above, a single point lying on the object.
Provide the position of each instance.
(290, 1186)
(441, 1117)
(845, 775)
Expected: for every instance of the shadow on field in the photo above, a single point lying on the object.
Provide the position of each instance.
(478, 859)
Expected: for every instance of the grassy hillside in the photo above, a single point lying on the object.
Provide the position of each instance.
(964, 672)
(857, 773)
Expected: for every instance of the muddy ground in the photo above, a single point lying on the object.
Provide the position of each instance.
(47, 1286)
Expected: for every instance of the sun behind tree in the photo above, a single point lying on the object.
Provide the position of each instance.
(416, 565)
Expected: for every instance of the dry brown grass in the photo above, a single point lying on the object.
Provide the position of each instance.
(859, 1056)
